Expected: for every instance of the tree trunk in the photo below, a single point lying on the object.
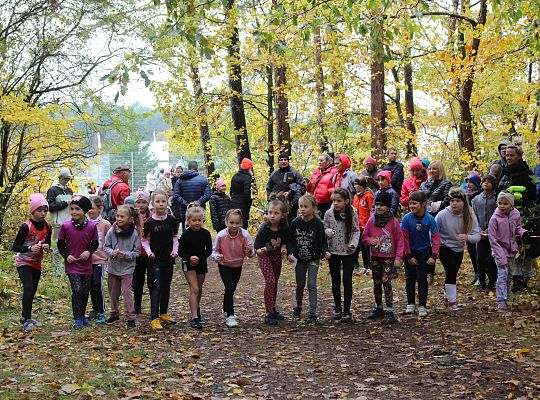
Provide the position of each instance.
(235, 84)
(378, 106)
(409, 106)
(319, 91)
(270, 119)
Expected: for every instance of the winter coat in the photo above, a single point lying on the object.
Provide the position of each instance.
(502, 232)
(411, 184)
(287, 180)
(57, 197)
(335, 231)
(345, 178)
(396, 169)
(363, 204)
(241, 190)
(435, 191)
(119, 191)
(395, 200)
(220, 203)
(321, 184)
(191, 187)
(519, 175)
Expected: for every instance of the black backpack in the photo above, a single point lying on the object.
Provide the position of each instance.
(109, 212)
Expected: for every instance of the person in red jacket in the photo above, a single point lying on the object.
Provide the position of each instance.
(320, 184)
(412, 183)
(121, 190)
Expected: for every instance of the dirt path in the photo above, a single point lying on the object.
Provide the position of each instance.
(473, 353)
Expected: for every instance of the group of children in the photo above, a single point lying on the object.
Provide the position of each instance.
(142, 245)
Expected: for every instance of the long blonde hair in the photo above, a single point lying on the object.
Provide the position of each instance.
(468, 214)
(440, 167)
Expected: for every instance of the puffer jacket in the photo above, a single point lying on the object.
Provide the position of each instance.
(437, 190)
(345, 178)
(411, 184)
(220, 203)
(321, 184)
(241, 190)
(519, 175)
(191, 187)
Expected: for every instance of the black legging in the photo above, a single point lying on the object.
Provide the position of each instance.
(418, 273)
(80, 289)
(30, 279)
(336, 262)
(160, 275)
(139, 277)
(230, 277)
(471, 248)
(96, 289)
(451, 261)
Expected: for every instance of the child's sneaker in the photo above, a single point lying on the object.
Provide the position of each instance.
(422, 311)
(167, 319)
(453, 306)
(368, 271)
(231, 321)
(270, 320)
(100, 319)
(362, 271)
(312, 319)
(297, 311)
(131, 324)
(35, 323)
(410, 309)
(196, 324)
(85, 321)
(112, 320)
(337, 314)
(92, 314)
(502, 307)
(376, 312)
(389, 317)
(28, 325)
(78, 323)
(346, 318)
(277, 315)
(156, 324)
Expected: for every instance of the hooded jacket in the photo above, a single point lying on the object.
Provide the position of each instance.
(191, 186)
(321, 184)
(502, 232)
(396, 170)
(519, 174)
(395, 200)
(287, 180)
(410, 184)
(501, 161)
(57, 197)
(451, 225)
(363, 203)
(220, 203)
(345, 178)
(241, 190)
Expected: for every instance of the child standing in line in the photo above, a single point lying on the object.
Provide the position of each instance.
(33, 238)
(160, 241)
(270, 245)
(306, 245)
(231, 246)
(343, 234)
(123, 246)
(421, 243)
(383, 235)
(504, 226)
(142, 202)
(363, 202)
(220, 203)
(194, 248)
(457, 227)
(384, 179)
(99, 262)
(77, 240)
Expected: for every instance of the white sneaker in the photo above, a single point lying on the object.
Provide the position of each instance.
(231, 321)
(410, 309)
(223, 314)
(422, 311)
(368, 272)
(362, 271)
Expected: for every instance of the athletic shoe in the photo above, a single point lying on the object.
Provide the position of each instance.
(85, 321)
(270, 320)
(28, 325)
(389, 317)
(199, 313)
(156, 324)
(35, 323)
(336, 315)
(453, 306)
(131, 324)
(312, 319)
(231, 321)
(277, 315)
(297, 311)
(78, 323)
(223, 313)
(167, 319)
(112, 320)
(410, 309)
(422, 311)
(100, 319)
(368, 271)
(196, 324)
(346, 318)
(376, 312)
(92, 314)
(362, 271)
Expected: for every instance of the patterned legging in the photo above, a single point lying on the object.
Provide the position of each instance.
(270, 265)
(383, 272)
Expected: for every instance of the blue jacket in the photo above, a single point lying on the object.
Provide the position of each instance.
(191, 187)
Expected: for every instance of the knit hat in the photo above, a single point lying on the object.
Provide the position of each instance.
(384, 198)
(284, 155)
(142, 195)
(425, 162)
(246, 164)
(83, 202)
(506, 196)
(37, 200)
(65, 173)
(415, 163)
(474, 178)
(370, 160)
(386, 175)
(130, 200)
(220, 183)
(491, 179)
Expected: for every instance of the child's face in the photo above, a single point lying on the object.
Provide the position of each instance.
(195, 221)
(306, 209)
(94, 211)
(40, 214)
(234, 222)
(383, 183)
(222, 189)
(416, 207)
(471, 186)
(456, 205)
(359, 188)
(381, 209)
(141, 206)
(160, 204)
(275, 215)
(339, 202)
(77, 213)
(123, 219)
(487, 186)
(504, 206)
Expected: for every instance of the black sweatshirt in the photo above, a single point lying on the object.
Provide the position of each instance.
(307, 240)
(195, 243)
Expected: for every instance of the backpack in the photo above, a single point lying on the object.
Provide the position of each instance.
(109, 212)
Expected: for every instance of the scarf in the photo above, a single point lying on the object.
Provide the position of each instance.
(124, 232)
(339, 216)
(80, 225)
(382, 219)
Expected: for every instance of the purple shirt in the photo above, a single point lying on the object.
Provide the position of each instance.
(77, 242)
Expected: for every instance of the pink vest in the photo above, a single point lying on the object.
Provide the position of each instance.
(34, 236)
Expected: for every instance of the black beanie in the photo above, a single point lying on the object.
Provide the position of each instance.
(492, 179)
(284, 155)
(83, 202)
(384, 198)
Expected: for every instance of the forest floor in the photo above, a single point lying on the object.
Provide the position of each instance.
(472, 353)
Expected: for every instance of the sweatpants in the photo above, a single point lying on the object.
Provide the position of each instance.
(486, 263)
(418, 273)
(504, 280)
(383, 270)
(96, 288)
(311, 268)
(270, 265)
(121, 284)
(160, 275)
(139, 277)
(80, 289)
(230, 277)
(30, 279)
(336, 263)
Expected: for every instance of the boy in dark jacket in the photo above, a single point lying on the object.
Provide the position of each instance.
(220, 203)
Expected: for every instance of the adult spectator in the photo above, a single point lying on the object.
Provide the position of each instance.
(190, 187)
(175, 206)
(121, 189)
(436, 188)
(288, 180)
(537, 173)
(320, 183)
(165, 183)
(241, 189)
(177, 173)
(344, 176)
(396, 170)
(370, 172)
(413, 182)
(501, 150)
(151, 182)
(59, 197)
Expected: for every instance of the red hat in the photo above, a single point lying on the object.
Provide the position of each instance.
(345, 161)
(246, 164)
(370, 160)
(386, 175)
(415, 163)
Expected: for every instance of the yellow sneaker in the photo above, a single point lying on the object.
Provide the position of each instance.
(156, 324)
(166, 318)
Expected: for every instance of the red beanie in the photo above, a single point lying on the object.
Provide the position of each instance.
(370, 160)
(386, 175)
(415, 163)
(246, 164)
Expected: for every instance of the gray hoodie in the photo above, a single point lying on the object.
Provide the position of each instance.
(131, 245)
(451, 225)
(484, 207)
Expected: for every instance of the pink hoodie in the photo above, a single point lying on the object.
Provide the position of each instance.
(390, 239)
(502, 232)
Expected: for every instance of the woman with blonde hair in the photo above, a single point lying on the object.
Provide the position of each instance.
(436, 188)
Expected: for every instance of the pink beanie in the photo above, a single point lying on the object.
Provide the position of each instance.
(142, 195)
(220, 183)
(370, 160)
(246, 164)
(386, 175)
(415, 163)
(37, 200)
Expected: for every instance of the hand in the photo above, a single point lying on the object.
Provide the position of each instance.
(70, 259)
(327, 255)
(291, 258)
(462, 237)
(413, 261)
(430, 261)
(262, 251)
(151, 256)
(375, 241)
(283, 251)
(249, 249)
(219, 257)
(483, 234)
(330, 232)
(85, 255)
(194, 260)
(398, 263)
(45, 246)
(352, 247)
(35, 248)
(114, 253)
(174, 254)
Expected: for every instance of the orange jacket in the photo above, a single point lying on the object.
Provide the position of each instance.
(363, 204)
